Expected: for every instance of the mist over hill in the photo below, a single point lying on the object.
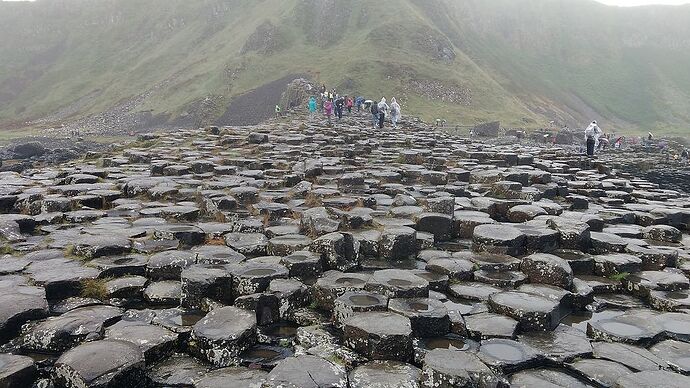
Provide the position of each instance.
(523, 62)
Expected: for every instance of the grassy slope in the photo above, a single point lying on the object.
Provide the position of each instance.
(526, 61)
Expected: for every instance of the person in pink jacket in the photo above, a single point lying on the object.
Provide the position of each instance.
(328, 109)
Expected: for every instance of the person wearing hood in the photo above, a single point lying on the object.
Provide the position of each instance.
(592, 133)
(339, 106)
(395, 113)
(383, 109)
(312, 107)
(328, 109)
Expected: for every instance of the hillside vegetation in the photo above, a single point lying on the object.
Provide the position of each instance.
(523, 62)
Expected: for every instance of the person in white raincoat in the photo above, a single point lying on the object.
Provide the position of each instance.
(383, 111)
(395, 112)
(592, 134)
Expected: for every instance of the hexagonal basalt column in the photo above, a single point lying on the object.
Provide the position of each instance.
(222, 335)
(398, 283)
(428, 317)
(379, 335)
(354, 302)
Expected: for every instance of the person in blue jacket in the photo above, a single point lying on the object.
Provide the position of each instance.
(312, 107)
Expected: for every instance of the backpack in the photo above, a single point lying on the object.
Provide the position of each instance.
(374, 109)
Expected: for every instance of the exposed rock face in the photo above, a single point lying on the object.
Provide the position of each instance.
(488, 129)
(266, 40)
(308, 256)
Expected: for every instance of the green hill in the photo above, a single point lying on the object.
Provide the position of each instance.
(523, 62)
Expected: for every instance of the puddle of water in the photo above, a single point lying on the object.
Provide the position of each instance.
(620, 328)
(281, 330)
(364, 300)
(123, 260)
(260, 272)
(678, 295)
(499, 275)
(502, 351)
(683, 362)
(675, 326)
(349, 282)
(446, 343)
(399, 282)
(419, 306)
(262, 354)
(39, 357)
(463, 306)
(580, 319)
(188, 319)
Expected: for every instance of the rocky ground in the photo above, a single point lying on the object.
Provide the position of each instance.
(295, 254)
(31, 152)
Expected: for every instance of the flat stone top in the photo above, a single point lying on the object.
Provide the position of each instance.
(381, 323)
(524, 301)
(453, 362)
(225, 323)
(92, 360)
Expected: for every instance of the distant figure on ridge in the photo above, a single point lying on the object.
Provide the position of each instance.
(395, 112)
(312, 107)
(592, 134)
(278, 110)
(383, 109)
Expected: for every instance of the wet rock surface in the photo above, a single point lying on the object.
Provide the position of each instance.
(298, 254)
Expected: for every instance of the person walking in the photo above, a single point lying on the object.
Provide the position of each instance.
(348, 105)
(395, 113)
(374, 108)
(383, 109)
(328, 109)
(339, 106)
(312, 107)
(592, 133)
(278, 110)
(359, 101)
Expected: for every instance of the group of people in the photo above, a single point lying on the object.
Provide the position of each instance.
(381, 110)
(332, 104)
(595, 139)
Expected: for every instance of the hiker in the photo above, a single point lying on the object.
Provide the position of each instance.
(684, 156)
(348, 105)
(312, 107)
(339, 106)
(592, 133)
(323, 90)
(395, 112)
(383, 110)
(367, 105)
(278, 111)
(328, 109)
(650, 137)
(618, 143)
(359, 101)
(374, 108)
